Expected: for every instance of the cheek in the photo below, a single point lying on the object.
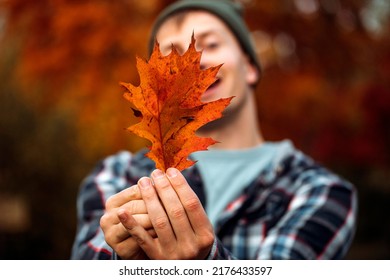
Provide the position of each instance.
(234, 67)
(228, 59)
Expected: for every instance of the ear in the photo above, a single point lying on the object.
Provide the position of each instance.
(252, 74)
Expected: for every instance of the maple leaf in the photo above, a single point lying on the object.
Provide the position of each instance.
(168, 101)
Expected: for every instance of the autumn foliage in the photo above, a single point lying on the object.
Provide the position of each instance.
(325, 85)
(168, 101)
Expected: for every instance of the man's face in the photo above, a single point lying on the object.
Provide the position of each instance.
(219, 46)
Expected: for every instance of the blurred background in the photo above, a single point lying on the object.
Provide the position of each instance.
(326, 86)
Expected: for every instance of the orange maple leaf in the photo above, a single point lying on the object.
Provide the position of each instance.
(168, 100)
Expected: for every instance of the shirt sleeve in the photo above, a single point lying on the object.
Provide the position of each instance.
(319, 222)
(105, 180)
(305, 212)
(219, 252)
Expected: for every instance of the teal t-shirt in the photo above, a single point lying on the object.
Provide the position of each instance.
(226, 173)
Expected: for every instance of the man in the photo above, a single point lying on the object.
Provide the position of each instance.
(245, 198)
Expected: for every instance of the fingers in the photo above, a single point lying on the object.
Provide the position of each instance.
(173, 206)
(156, 212)
(128, 200)
(135, 207)
(117, 200)
(114, 230)
(143, 238)
(191, 203)
(181, 224)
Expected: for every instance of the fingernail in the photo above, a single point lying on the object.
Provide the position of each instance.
(144, 182)
(157, 173)
(172, 172)
(122, 215)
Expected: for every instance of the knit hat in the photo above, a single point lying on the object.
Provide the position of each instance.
(228, 11)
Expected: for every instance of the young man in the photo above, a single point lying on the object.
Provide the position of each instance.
(245, 198)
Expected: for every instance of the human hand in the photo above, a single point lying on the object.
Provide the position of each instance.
(129, 203)
(178, 218)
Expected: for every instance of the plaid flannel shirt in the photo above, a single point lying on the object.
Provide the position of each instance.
(295, 209)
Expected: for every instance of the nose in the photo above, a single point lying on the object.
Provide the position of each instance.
(205, 61)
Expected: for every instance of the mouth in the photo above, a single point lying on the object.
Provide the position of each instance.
(213, 86)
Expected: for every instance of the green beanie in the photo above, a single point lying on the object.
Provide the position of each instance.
(228, 11)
